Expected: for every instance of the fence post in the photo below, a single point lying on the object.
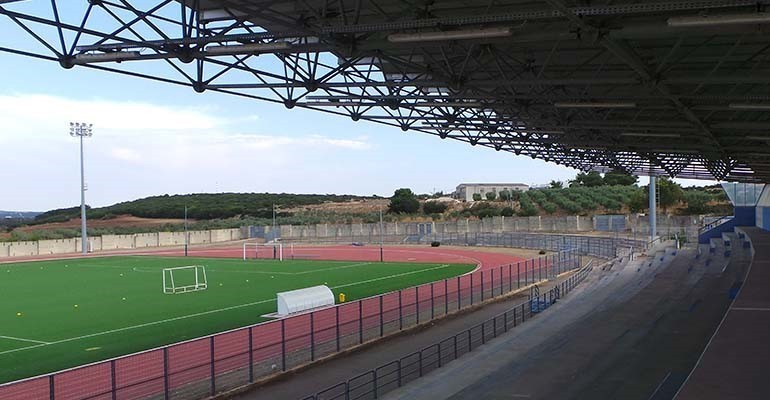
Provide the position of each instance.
(518, 275)
(399, 372)
(213, 380)
(439, 354)
(360, 321)
(283, 345)
(532, 267)
(459, 296)
(347, 390)
(432, 302)
(514, 316)
(446, 296)
(470, 348)
(165, 375)
(494, 326)
(483, 333)
(505, 321)
(501, 280)
(374, 381)
(337, 325)
(540, 268)
(400, 313)
(417, 303)
(52, 389)
(455, 346)
(312, 336)
(510, 277)
(251, 354)
(471, 275)
(420, 363)
(482, 286)
(112, 380)
(382, 321)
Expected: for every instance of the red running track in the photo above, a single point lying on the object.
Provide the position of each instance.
(190, 364)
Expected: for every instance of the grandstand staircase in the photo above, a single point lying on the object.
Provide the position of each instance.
(656, 355)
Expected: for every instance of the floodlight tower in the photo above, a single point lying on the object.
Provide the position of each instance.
(82, 130)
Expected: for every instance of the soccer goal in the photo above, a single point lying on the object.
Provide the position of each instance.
(253, 250)
(191, 278)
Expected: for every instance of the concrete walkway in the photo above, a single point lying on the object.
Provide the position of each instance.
(322, 375)
(521, 364)
(734, 365)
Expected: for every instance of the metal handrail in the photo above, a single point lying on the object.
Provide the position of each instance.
(713, 224)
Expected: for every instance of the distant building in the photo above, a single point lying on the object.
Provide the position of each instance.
(465, 191)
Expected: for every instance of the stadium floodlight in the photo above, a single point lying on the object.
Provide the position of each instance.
(560, 104)
(190, 278)
(750, 106)
(249, 48)
(717, 20)
(107, 57)
(488, 33)
(651, 135)
(762, 138)
(82, 130)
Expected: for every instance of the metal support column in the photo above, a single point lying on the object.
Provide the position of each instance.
(653, 210)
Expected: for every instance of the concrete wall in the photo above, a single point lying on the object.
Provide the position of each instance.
(118, 242)
(631, 224)
(58, 246)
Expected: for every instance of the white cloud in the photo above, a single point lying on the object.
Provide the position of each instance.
(51, 115)
(141, 149)
(126, 154)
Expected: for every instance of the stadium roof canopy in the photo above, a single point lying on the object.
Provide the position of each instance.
(679, 88)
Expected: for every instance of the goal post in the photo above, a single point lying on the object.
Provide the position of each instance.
(255, 250)
(189, 278)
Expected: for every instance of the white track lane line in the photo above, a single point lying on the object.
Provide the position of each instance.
(206, 312)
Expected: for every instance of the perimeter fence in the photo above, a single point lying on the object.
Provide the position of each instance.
(397, 373)
(218, 363)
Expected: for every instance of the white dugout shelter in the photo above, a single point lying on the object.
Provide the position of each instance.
(299, 300)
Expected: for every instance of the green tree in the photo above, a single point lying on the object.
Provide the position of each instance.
(591, 179)
(504, 195)
(697, 201)
(507, 212)
(618, 177)
(637, 202)
(434, 207)
(477, 197)
(491, 196)
(669, 193)
(403, 201)
(556, 184)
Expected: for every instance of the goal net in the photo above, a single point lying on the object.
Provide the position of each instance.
(184, 279)
(253, 250)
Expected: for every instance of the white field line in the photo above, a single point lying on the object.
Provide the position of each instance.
(224, 269)
(204, 313)
(163, 321)
(392, 276)
(23, 340)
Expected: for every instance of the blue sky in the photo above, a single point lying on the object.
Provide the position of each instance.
(152, 138)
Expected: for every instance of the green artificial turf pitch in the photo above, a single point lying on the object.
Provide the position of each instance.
(64, 313)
